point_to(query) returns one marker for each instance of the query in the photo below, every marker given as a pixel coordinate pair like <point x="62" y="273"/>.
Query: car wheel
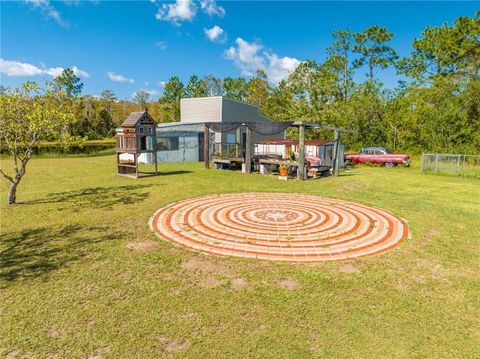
<point x="389" y="164"/>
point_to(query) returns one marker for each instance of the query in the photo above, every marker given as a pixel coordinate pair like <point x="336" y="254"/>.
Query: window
<point x="150" y="130"/>
<point x="141" y="130"/>
<point x="167" y="143"/>
<point x="231" y="138"/>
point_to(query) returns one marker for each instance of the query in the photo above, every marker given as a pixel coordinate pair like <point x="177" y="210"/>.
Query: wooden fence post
<point x="436" y="163"/>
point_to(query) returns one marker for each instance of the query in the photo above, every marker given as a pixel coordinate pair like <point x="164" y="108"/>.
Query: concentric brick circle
<point x="279" y="227"/>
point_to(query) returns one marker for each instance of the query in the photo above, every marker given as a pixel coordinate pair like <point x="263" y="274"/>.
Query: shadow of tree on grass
<point x="96" y="197"/>
<point x="37" y="252"/>
<point x="173" y="173"/>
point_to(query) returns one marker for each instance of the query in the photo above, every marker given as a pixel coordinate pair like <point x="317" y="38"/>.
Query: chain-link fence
<point x="449" y="164"/>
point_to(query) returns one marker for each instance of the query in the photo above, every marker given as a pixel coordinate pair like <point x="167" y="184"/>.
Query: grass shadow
<point x="96" y="197"/>
<point x="37" y="252"/>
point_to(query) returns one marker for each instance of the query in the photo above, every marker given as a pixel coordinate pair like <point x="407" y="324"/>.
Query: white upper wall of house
<point x="201" y="109"/>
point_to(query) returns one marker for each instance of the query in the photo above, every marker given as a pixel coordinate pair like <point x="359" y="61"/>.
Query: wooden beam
<point x="248" y="150"/>
<point x="206" y="147"/>
<point x="301" y="153"/>
<point x="156" y="162"/>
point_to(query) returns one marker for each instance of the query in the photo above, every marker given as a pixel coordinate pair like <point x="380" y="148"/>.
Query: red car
<point x="378" y="155"/>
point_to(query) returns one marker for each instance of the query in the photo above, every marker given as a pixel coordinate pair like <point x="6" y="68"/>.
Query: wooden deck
<point x="227" y="160"/>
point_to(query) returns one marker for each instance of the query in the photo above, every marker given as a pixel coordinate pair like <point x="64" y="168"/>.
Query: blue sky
<point x="126" y="46"/>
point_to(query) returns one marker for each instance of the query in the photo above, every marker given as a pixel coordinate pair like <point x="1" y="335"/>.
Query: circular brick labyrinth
<point x="279" y="227"/>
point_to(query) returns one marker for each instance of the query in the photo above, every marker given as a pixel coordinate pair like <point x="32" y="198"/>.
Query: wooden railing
<point x="126" y="142"/>
<point x="227" y="150"/>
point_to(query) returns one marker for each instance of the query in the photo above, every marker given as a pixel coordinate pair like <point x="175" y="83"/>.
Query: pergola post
<point x="301" y="153"/>
<point x="248" y="149"/>
<point x="336" y="153"/>
<point x="206" y="147"/>
<point x="238" y="140"/>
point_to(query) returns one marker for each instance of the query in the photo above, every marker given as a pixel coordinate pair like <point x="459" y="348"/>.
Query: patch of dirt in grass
<point x="474" y="333"/>
<point x="345" y="293"/>
<point x="17" y="354"/>
<point x="421" y="272"/>
<point x="348" y="268"/>
<point x="174" y="292"/>
<point x="99" y="354"/>
<point x="90" y="324"/>
<point x="239" y="284"/>
<point x="172" y="346"/>
<point x="209" y="282"/>
<point x="208" y="265"/>
<point x="144" y="246"/>
<point x="288" y="284"/>
<point x="54" y="333"/>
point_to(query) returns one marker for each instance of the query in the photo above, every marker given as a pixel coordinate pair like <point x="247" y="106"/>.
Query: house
<point x="183" y="141"/>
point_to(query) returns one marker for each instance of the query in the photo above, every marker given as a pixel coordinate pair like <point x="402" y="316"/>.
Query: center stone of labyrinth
<point x="279" y="227"/>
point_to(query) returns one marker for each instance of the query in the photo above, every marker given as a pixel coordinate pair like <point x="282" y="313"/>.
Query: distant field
<point x="83" y="275"/>
<point x="86" y="149"/>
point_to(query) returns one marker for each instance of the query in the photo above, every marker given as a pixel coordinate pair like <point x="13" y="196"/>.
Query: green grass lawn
<point x="83" y="275"/>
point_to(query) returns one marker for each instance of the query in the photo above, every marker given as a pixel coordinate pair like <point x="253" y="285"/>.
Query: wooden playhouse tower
<point x="136" y="136"/>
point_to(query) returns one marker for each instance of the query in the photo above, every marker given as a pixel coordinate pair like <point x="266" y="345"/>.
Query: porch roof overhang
<point x="305" y="124"/>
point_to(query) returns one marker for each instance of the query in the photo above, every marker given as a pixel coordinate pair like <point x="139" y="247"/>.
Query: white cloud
<point x="15" y="68"/>
<point x="181" y="10"/>
<point x="211" y="8"/>
<point x="48" y="10"/>
<point x="216" y="34"/>
<point x="245" y="56"/>
<point x="162" y="45"/>
<point x="161" y="84"/>
<point x="80" y="73"/>
<point x="23" y="69"/>
<point x="119" y="78"/>
<point x="280" y="67"/>
<point x="249" y="57"/>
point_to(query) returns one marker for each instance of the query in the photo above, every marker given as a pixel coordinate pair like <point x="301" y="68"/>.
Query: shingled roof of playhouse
<point x="134" y="117"/>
